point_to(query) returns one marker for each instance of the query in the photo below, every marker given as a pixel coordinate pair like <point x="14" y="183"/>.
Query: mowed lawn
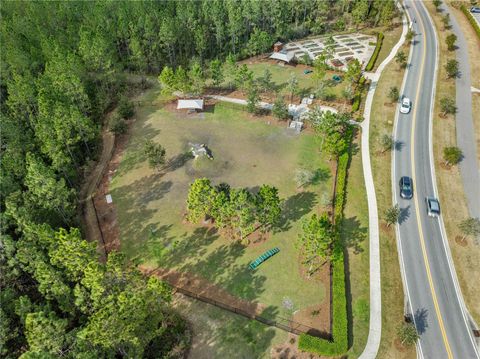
<point x="247" y="153"/>
<point x="281" y="75"/>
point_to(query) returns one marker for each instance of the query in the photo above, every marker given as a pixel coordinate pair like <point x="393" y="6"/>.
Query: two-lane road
<point x="434" y="297"/>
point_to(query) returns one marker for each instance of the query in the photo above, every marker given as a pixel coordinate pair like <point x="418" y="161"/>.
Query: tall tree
<point x="216" y="72"/>
<point x="268" y="207"/>
<point x="316" y="241"/>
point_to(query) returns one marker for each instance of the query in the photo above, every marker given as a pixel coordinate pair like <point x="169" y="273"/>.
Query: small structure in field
<point x="296" y="125"/>
<point x="278" y="46"/>
<point x="191" y="105"/>
<point x="283" y="55"/>
<point x="200" y="150"/>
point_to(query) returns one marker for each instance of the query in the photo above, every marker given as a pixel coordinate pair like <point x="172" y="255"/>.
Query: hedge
<point x="356" y="101"/>
<point x="371" y="63"/>
<point x="471" y="19"/>
<point x="339" y="343"/>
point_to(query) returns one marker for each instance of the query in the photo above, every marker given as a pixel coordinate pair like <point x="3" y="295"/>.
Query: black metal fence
<point x="281" y="323"/>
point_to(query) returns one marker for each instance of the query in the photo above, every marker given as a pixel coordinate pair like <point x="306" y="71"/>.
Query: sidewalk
<point x="466" y="141"/>
<point x="375" y="328"/>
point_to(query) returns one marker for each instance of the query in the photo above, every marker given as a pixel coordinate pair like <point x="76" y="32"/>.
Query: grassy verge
<point x="382" y="118"/>
<point x="391" y="37"/>
<point x="450" y="183"/>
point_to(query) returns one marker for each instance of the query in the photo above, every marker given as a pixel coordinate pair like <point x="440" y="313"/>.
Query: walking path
<point x="469" y="169"/>
<point x="263" y="105"/>
<point x="375" y="328"/>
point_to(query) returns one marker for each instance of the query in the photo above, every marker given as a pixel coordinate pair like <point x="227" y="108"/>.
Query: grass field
<point x="220" y="334"/>
<point x="248" y="153"/>
<point x="281" y="75"/>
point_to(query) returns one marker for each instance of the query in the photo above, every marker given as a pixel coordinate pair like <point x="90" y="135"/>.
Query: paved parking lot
<point x="347" y="47"/>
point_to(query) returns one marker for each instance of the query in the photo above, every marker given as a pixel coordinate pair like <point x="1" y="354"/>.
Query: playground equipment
<point x="263" y="257"/>
<point x="336" y="78"/>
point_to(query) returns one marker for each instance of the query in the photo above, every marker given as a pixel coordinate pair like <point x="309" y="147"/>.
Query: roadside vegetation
<point x="464" y="251"/>
<point x="381" y="143"/>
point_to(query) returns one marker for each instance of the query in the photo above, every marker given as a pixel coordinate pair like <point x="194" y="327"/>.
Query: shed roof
<point x="196" y="104"/>
<point x="282" y="56"/>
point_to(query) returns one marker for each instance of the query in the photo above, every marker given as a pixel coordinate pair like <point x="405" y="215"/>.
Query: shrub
<point x="452" y="155"/>
<point x="126" y="108"/>
<point x="471" y="19"/>
<point x="393" y="94"/>
<point x="450" y="41"/>
<point x="452" y="68"/>
<point x="448" y="106"/>
<point x="118" y="126"/>
<point x="407" y="333"/>
<point x="356" y="101"/>
<point x="373" y="59"/>
<point x="280" y="109"/>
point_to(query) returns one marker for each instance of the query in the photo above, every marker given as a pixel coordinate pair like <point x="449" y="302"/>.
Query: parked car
<point x="433" y="207"/>
<point x="406" y="105"/>
<point x="475" y="9"/>
<point x="406" y="187"/>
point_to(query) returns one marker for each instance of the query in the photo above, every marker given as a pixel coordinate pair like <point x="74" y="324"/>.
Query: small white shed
<point x="283" y="55"/>
<point x="191" y="105"/>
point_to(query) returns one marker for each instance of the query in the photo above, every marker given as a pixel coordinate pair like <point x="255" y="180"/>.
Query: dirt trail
<point x="89" y="217"/>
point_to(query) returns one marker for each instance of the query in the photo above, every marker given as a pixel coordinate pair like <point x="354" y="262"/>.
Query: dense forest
<point x="62" y="68"/>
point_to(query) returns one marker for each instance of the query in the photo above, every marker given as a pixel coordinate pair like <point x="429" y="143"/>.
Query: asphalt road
<point x="434" y="299"/>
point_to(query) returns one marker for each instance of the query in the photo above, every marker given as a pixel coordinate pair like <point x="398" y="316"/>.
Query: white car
<point x="406" y="105"/>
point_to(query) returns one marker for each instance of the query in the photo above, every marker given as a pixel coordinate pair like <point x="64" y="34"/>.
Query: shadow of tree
<point x="176" y="162"/>
<point x="420" y="318"/>
<point x="294" y="208"/>
<point x="353" y="234"/>
<point x="404" y="214"/>
<point x="321" y="175"/>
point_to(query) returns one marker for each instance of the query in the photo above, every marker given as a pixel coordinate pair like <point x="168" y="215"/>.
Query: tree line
<point x="238" y="211"/>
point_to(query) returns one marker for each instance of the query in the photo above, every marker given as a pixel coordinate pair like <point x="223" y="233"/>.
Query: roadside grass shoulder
<point x="382" y="118"/>
<point x="450" y="188"/>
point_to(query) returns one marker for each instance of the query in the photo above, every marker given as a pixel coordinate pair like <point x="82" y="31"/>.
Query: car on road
<point x="406" y="187"/>
<point x="433" y="207"/>
<point x="475" y="10"/>
<point x="405" y="105"/>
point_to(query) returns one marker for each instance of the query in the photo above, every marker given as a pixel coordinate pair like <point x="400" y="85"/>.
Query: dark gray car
<point x="406" y="187"/>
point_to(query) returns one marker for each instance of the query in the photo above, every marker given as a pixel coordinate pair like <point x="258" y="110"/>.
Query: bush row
<point x="471" y="19"/>
<point x="373" y="59"/>
<point x="356" y="100"/>
<point x="339" y="343"/>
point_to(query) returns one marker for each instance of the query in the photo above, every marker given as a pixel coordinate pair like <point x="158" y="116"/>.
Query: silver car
<point x="433" y="207"/>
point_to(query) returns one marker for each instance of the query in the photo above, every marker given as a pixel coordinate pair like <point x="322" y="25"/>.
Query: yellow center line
<point x="420" y="230"/>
